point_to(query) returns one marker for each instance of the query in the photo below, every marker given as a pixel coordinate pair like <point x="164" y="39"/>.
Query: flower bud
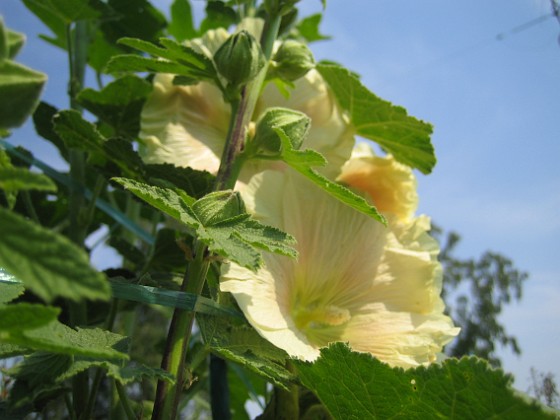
<point x="292" y="61"/>
<point x="218" y="206"/>
<point x="294" y="123"/>
<point x="239" y="59"/>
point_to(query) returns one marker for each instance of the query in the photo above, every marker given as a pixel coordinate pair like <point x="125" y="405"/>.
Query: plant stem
<point x="167" y="395"/>
<point x="124" y="401"/>
<point x="77" y="58"/>
<point x="219" y="389"/>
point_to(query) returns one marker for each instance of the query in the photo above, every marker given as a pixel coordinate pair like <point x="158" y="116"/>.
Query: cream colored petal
<point x="184" y="125"/>
<point x="264" y="299"/>
<point x="390" y="185"/>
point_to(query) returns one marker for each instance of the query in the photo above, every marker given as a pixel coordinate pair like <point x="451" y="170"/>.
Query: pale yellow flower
<point x="187" y="125"/>
<point x="355" y="281"/>
<point x="389" y="184"/>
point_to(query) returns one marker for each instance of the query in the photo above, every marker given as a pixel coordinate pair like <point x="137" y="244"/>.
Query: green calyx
<point x="239" y="59"/>
<point x="292" y="61"/>
<point x="294" y="124"/>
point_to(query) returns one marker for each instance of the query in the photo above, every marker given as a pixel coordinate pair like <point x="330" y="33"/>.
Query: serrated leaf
<point x="47" y="263"/>
<point x="303" y="162"/>
<point x="181" y="25"/>
<point x="135" y="63"/>
<point x="11" y="350"/>
<point x="226" y="238"/>
<point x="20" y="89"/>
<point x="125" y="374"/>
<point x="308" y="28"/>
<point x="194" y="183"/>
<point x="243" y="345"/>
<point x="356" y="385"/>
<point x="119" y="103"/>
<point x="78" y="133"/>
<point x="17" y="179"/>
<point x="405" y="137"/>
<point x="56" y="337"/>
<point x="179" y="59"/>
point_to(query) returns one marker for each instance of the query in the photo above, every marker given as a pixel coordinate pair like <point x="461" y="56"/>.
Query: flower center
<point x="316" y="316"/>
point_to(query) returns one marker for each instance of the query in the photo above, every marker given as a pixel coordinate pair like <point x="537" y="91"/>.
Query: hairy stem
<point x="167" y="395"/>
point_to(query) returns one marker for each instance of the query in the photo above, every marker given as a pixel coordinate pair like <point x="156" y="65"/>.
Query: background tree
<point x="475" y="292"/>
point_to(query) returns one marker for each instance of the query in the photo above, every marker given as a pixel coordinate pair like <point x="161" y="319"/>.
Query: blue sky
<point x="494" y="105"/>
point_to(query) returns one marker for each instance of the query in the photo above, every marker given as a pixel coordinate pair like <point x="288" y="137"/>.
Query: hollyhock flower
<point x="355" y="281"/>
<point x="390" y="184"/>
<point x="188" y="125"/>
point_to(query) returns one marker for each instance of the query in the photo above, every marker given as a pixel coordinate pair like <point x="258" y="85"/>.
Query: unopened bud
<point x="293" y="123"/>
<point x="292" y="61"/>
<point x="218" y="206"/>
<point x="239" y="59"/>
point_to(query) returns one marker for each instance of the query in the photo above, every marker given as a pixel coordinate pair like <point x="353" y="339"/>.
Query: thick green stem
<point x="77" y="58"/>
<point x="167" y="395"/>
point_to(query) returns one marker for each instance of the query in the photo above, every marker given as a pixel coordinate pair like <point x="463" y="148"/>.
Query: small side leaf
<point x="303" y="161"/>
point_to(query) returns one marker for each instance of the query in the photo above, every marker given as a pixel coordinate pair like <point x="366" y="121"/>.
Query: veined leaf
<point x="303" y="161"/>
<point x="78" y="133"/>
<point x="47" y="263"/>
<point x="233" y="237"/>
<point x="67" y="10"/>
<point x="405" y="137"/>
<point x="25" y="316"/>
<point x="177" y="59"/>
<point x="10" y="287"/>
<point x="308" y="28"/>
<point x="356" y="385"/>
<point x="119" y="103"/>
<point x="243" y="345"/>
<point x="56" y="337"/>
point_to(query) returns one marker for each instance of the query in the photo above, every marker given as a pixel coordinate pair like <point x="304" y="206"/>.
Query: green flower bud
<point x="218" y="206"/>
<point x="294" y="123"/>
<point x="239" y="59"/>
<point x="292" y="61"/>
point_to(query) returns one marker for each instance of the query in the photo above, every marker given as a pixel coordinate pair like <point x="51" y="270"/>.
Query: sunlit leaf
<point x="405" y="137"/>
<point x="47" y="263"/>
<point x="356" y="385"/>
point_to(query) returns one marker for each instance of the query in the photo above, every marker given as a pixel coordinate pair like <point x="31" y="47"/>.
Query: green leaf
<point x="136" y="19"/>
<point x="4" y="47"/>
<point x="66" y="10"/>
<point x="118" y="104"/>
<point x="218" y="15"/>
<point x="78" y="133"/>
<point x="179" y="59"/>
<point x="51" y="19"/>
<point x="194" y="183"/>
<point x="181" y="26"/>
<point x="10" y="287"/>
<point x="405" y="137"/>
<point x="20" y="89"/>
<point x="131" y="372"/>
<point x="232" y="237"/>
<point x="303" y="161"/>
<point x="135" y="63"/>
<point x="11" y="350"/>
<point x="243" y="345"/>
<point x="17" y="179"/>
<point x="308" y="28"/>
<point x="356" y="385"/>
<point x="43" y="122"/>
<point x="25" y="316"/>
<point x="47" y="263"/>
<point x="56" y="337"/>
